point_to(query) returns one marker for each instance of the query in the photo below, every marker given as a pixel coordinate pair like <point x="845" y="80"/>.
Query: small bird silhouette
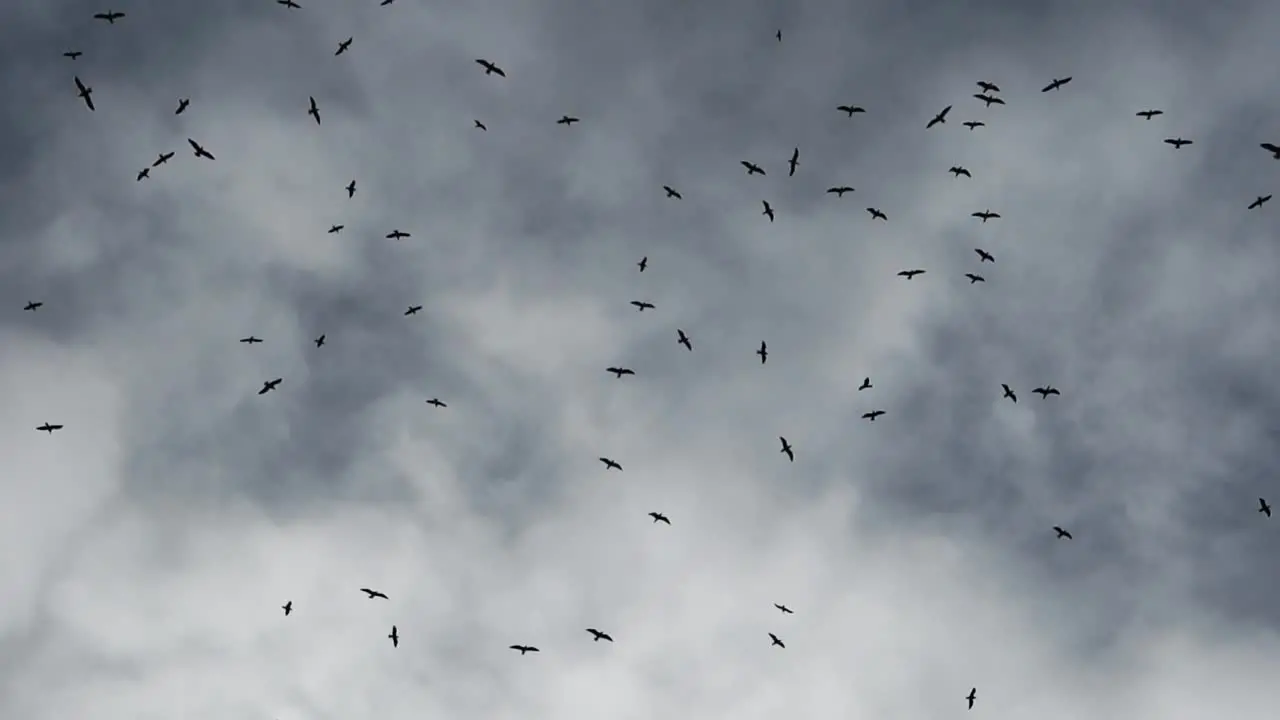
<point x="659" y="517"/>
<point x="785" y="610"/>
<point x="1062" y="534"/>
<point x="866" y="384"/>
<point x="598" y="635"/>
<point x="287" y="607"/>
<point x="776" y="641"/>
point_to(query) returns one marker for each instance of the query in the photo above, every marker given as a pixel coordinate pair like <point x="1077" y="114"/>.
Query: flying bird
<point x="314" y="111"/>
<point x="1046" y="391"/>
<point x="161" y="159"/>
<point x="251" y="340"/>
<point x="763" y="352"/>
<point x="973" y="694"/>
<point x="776" y="641"/>
<point x="610" y="464"/>
<point x="850" y="109"/>
<point x="1177" y="143"/>
<point x="373" y="594"/>
<point x="786" y="449"/>
<point x="287" y="607"/>
<point x="143" y="173"/>
<point x="435" y="402"/>
<point x="1271" y="148"/>
<point x="877" y="214"/>
<point x="683" y="340"/>
<point x="659" y="517"/>
<point x="490" y="68"/>
<point x="958" y="170"/>
<point x="73" y="54"/>
<point x="598" y="636"/>
<point x="988" y="87"/>
<point x="989" y="100"/>
<point x="84" y="92"/>
<point x="767" y="210"/>
<point x="1258" y="203"/>
<point x="939" y="118"/>
<point x="525" y="649"/>
<point x="839" y="191"/>
<point x="785" y="610"/>
<point x="752" y="168"/>
<point x="480" y="126"/>
<point x="110" y="16"/>
<point x="1263" y="507"/>
<point x="866" y="384"/>
<point x="984" y="256"/>
<point x="395" y="637"/>
<point x="778" y="35"/>
<point x="320" y="341"/>
<point x="1148" y="114"/>
<point x="644" y="263"/>
<point x="49" y="428"/>
<point x="1009" y="393"/>
<point x="672" y="193"/>
<point x="33" y="306"/>
<point x="872" y="415"/>
<point x="397" y="234"/>
<point x="199" y="150"/>
<point x="567" y="120"/>
<point x="413" y="310"/>
<point x="642" y="306"/>
<point x="1062" y="534"/>
<point x="1057" y="83"/>
<point x="794" y="162"/>
<point x="620" y="371"/>
<point x="269" y="385"/>
<point x="973" y="124"/>
<point x="344" y="46"/>
<point x="910" y="274"/>
<point x="985" y="215"/>
<point x="289" y="4"/>
<point x="334" y="229"/>
<point x="974" y="278"/>
<point x="182" y="105"/>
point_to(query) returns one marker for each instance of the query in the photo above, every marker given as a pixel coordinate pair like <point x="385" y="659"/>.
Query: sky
<point x="148" y="546"/>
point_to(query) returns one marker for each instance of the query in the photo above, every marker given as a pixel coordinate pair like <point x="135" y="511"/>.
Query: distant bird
<point x="659" y="517"/>
<point x="183" y="103"/>
<point x="786" y="449"/>
<point x="958" y="170"/>
<point x="395" y="637"/>
<point x="866" y="384"/>
<point x="974" y="278"/>
<point x="398" y="234"/>
<point x="672" y="193"/>
<point x="162" y="158"/>
<point x="143" y="173"/>
<point x="839" y="191"/>
<point x="1271" y="148"/>
<point x="610" y="464"/>
<point x="385" y="3"/>
<point x="785" y="610"/>
<point x="872" y="415"/>
<point x="794" y="162"/>
<point x="344" y="46"/>
<point x="598" y="636"/>
<point x="752" y="168"/>
<point x="73" y="54"/>
<point x="110" y="16"/>
<point x="644" y="263"/>
<point x="778" y="35"/>
<point x="334" y="229"/>
<point x="33" y="306"/>
<point x="984" y="256"/>
<point x="909" y="274"/>
<point x="763" y="352"/>
<point x="1263" y="507"/>
<point x="642" y="306"/>
<point x="351" y="189"/>
<point x="1148" y="114"/>
<point x="373" y="593"/>
<point x="985" y="215"/>
<point x="1062" y="534"/>
<point x="973" y="694"/>
<point x="289" y="4"/>
<point x="251" y="340"/>
<point x="314" y="111"/>
<point x="567" y="120"/>
<point x="490" y="68"/>
<point x="320" y="341"/>
<point x="989" y="100"/>
<point x="1177" y="143"/>
<point x="776" y="641"/>
<point x="49" y="428"/>
<point x="525" y="648"/>
<point x="84" y="92"/>
<point x="1009" y="393"/>
<point x="199" y="150"/>
<point x="1046" y="391"/>
<point x="683" y="340"/>
<point x="480" y="126"/>
<point x="988" y="87"/>
<point x="413" y="310"/>
<point x="269" y="385"/>
<point x="1056" y="84"/>
<point x="939" y="118"/>
<point x="850" y="109"/>
<point x="287" y="607"/>
<point x="435" y="402"/>
<point x="767" y="210"/>
<point x="877" y="214"/>
<point x="973" y="124"/>
<point x="1258" y="203"/>
<point x="618" y="372"/>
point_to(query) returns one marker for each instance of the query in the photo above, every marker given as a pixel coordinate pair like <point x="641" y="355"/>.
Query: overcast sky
<point x="146" y="549"/>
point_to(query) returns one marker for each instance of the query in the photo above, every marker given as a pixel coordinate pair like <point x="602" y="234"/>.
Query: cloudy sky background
<point x="148" y="547"/>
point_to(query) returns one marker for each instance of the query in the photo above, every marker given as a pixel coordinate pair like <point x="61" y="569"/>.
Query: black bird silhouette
<point x="1148" y="114"/>
<point x="251" y="340"/>
<point x="763" y="352"/>
<point x="289" y="4"/>
<point x="269" y="385"/>
<point x="398" y="234"/>
<point x="567" y="120"/>
<point x="973" y="124"/>
<point x="1062" y="534"/>
<point x="525" y="649"/>
<point x="1046" y="391"/>
<point x="1258" y="203"/>
<point x="840" y="191"/>
<point x="413" y="310"/>
<point x="752" y="168"/>
<point x="1009" y="393"/>
<point x="988" y="87"/>
<point x="373" y="593"/>
<point x="610" y="464"/>
<point x="344" y="45"/>
<point x="939" y="118"/>
<point x="786" y="449"/>
<point x="909" y="274"/>
<point x="767" y="210"/>
<point x="1177" y="143"/>
<point x="314" y="111"/>
<point x="490" y="68"/>
<point x="877" y="214"/>
<point x="73" y="54"/>
<point x="598" y="636"/>
<point x="974" y="278"/>
<point x="182" y="105"/>
<point x="320" y="341"/>
<point x="110" y="16"/>
<point x="618" y="372"/>
<point x="385" y="3"/>
<point x="161" y="159"/>
<point x="985" y="215"/>
<point x="287" y="607"/>
<point x="785" y="610"/>
<point x="659" y="517"/>
<point x="435" y="402"/>
<point x="778" y="35"/>
<point x="850" y="109"/>
<point x="958" y="170"/>
<point x="866" y="384"/>
<point x="776" y="641"/>
<point x="672" y="193"/>
<point x="199" y="150"/>
<point x="642" y="306"/>
<point x="143" y="173"/>
<point x="84" y="92"/>
<point x="794" y="162"/>
<point x="1271" y="148"/>
<point x="395" y="637"/>
<point x="644" y="263"/>
<point x="334" y="229"/>
<point x="984" y="256"/>
<point x="872" y="415"/>
<point x="480" y="125"/>
<point x="989" y="100"/>
<point x="49" y="428"/>
<point x="1057" y="83"/>
<point x="683" y="340"/>
<point x="973" y="694"/>
<point x="33" y="306"/>
<point x="1263" y="507"/>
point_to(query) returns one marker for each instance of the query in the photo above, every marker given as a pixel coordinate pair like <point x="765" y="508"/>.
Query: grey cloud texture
<point x="149" y="544"/>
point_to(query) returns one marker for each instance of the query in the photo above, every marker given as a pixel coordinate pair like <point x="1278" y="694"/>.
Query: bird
<point x="334" y="229"/>
<point x="958" y="170"/>
<point x="641" y="306"/>
<point x="776" y="641"/>
<point x="351" y="189"/>
<point x="314" y="111"/>
<point x="763" y="352"/>
<point x="974" y="278"/>
<point x="320" y="341"/>
<point x="866" y="384"/>
<point x="33" y="306"/>
<point x="49" y="428"/>
<point x="161" y="159"/>
<point x="269" y="385"/>
<point x="989" y="100"/>
<point x="251" y="340"/>
<point x="659" y="517"/>
<point x="110" y="16"/>
<point x="672" y="193"/>
<point x="1062" y="534"/>
<point x="289" y="4"/>
<point x="610" y="464"/>
<point x="850" y="109"/>
<point x="199" y="150"/>
<point x="182" y="105"/>
<point x="1046" y="391"/>
<point x="876" y="213"/>
<point x="287" y="607"/>
<point x="973" y="695"/>
<point x="1148" y="114"/>
<point x="525" y="649"/>
<point x="435" y="402"/>
<point x="909" y="274"/>
<point x="786" y="449"/>
<point x="84" y="92"/>
<point x="373" y="594"/>
<point x="794" y="162"/>
<point x="385" y="3"/>
<point x="644" y="263"/>
<point x="598" y="636"/>
<point x="480" y="126"/>
<point x="1009" y="393"/>
<point x="683" y="340"/>
<point x="984" y="256"/>
<point x="839" y="191"/>
<point x="985" y="215"/>
<point x="567" y="120"/>
<point x="1258" y="203"/>
<point x="778" y="35"/>
<point x="872" y="415"/>
<point x="344" y="46"/>
<point x="767" y="210"/>
<point x="143" y="173"/>
<point x="490" y="68"/>
<point x="785" y="610"/>
<point x="988" y="87"/>
<point x="413" y="310"/>
<point x="395" y="637"/>
<point x="620" y="371"/>
<point x="1263" y="507"/>
<point x="398" y="234"/>
<point x="73" y="54"/>
<point x="939" y="118"/>
<point x="752" y="168"/>
<point x="1056" y="84"/>
<point x="1177" y="143"/>
<point x="973" y="125"/>
<point x="1271" y="148"/>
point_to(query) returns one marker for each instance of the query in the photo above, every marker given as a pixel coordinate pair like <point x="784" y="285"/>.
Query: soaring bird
<point x="373" y="594"/>
<point x="398" y="235"/>
<point x="1057" y="83"/>
<point x="985" y="215"/>
<point x="567" y="120"/>
<point x="1271" y="148"/>
<point x="1148" y="114"/>
<point x="480" y="126"/>
<point x="351" y="189"/>
<point x="183" y="103"/>
<point x="988" y="87"/>
<point x="973" y="694"/>
<point x="395" y="637"/>
<point x="620" y="371"/>
<point x="877" y="214"/>
<point x="909" y="274"/>
<point x="763" y="352"/>
<point x="287" y="607"/>
<point x="1062" y="534"/>
<point x="413" y="310"/>
<point x="776" y="641"/>
<point x="659" y="517"/>
<point x="1177" y="143"/>
<point x="73" y="54"/>
<point x="939" y="118"/>
<point x="644" y="263"/>
<point x="598" y="635"/>
<point x="84" y="92"/>
<point x="49" y="428"/>
<point x="1258" y="203"/>
<point x="974" y="278"/>
<point x="642" y="306"/>
<point x="251" y="340"/>
<point x="199" y="150"/>
<point x="752" y="168"/>
<point x="778" y="35"/>
<point x="989" y="100"/>
<point x="672" y="193"/>
<point x="683" y="340"/>
<point x="525" y="648"/>
<point x="320" y="341"/>
<point x="334" y="229"/>
<point x="143" y="173"/>
<point x="435" y="402"/>
<point x="850" y="109"/>
<point x="1046" y="391"/>
<point x="33" y="306"/>
<point x="768" y="210"/>
<point x="984" y="256"/>
<point x="839" y="191"/>
<point x="786" y="449"/>
<point x="872" y="415"/>
<point x="794" y="162"/>
<point x="958" y="170"/>
<point x="866" y="384"/>
<point x="289" y="4"/>
<point x="1009" y="393"/>
<point x="785" y="610"/>
<point x="314" y="111"/>
<point x="344" y="45"/>
<point x="611" y="464"/>
<point x="111" y="16"/>
<point x="162" y="158"/>
<point x="270" y="385"/>
<point x="973" y="124"/>
<point x="1263" y="507"/>
<point x="490" y="68"/>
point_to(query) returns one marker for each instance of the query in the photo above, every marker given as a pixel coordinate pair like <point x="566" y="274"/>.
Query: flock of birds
<point x="988" y="95"/>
